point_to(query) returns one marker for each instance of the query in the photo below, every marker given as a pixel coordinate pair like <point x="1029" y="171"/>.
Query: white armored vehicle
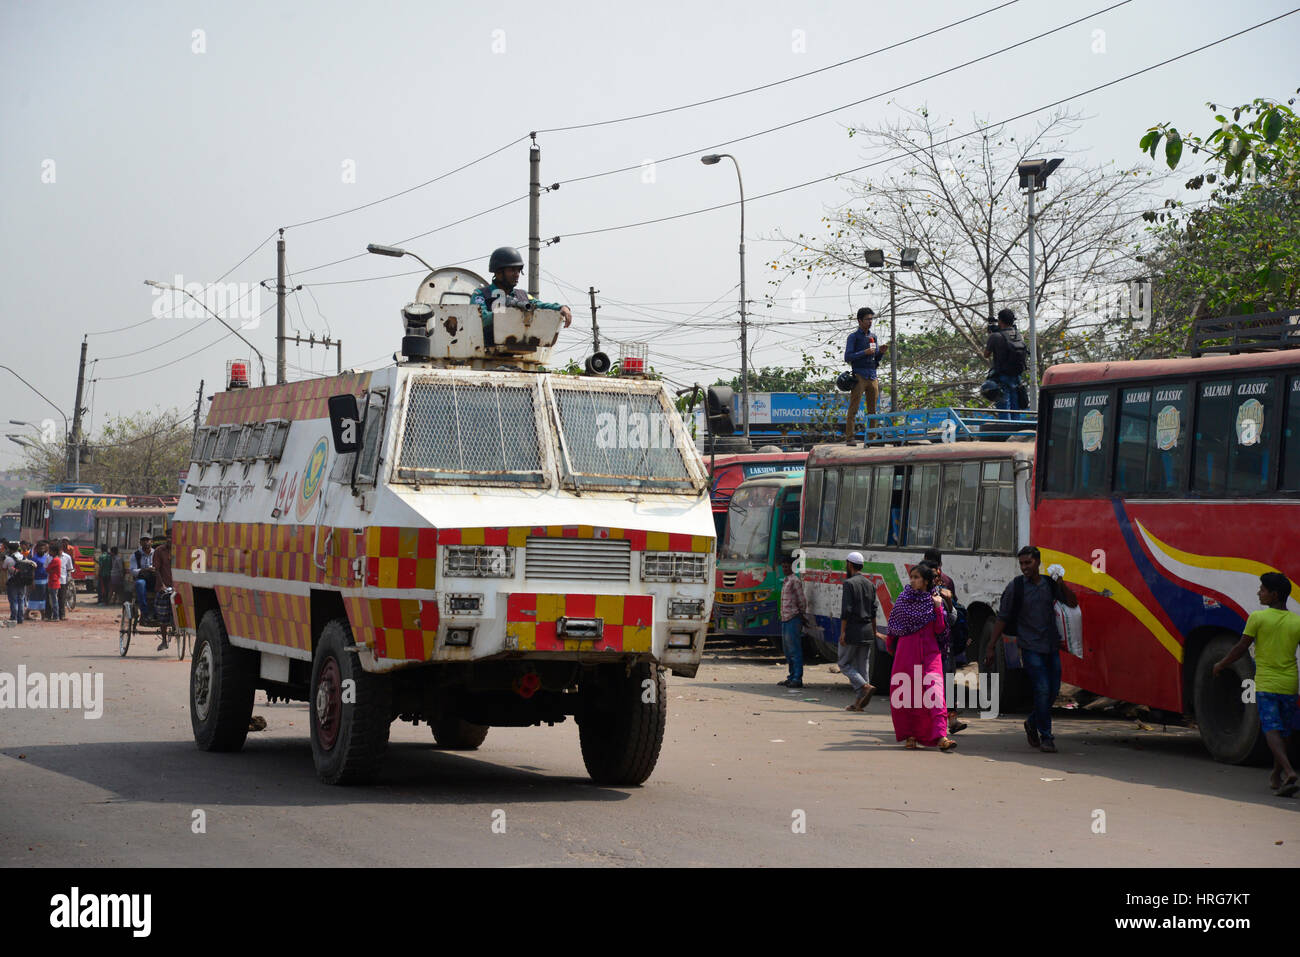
<point x="461" y="539"/>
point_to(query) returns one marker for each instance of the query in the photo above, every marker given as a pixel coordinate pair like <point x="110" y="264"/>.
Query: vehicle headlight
<point x="479" y="561"/>
<point x="674" y="566"/>
<point x="686" y="608"/>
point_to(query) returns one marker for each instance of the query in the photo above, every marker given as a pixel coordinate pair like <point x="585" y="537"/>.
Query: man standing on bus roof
<point x="506" y="266"/>
<point x="1010" y="356"/>
<point x="857" y="630"/>
<point x="1276" y="634"/>
<point x="863" y="353"/>
<point x="1028" y="612"/>
<point x="794" y="609"/>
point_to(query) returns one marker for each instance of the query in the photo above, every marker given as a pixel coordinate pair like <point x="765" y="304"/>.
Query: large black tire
<point x="222" y="683"/>
<point x="620" y="731"/>
<point x="1229" y="726"/>
<point x="348" y="737"/>
<point x="457" y="734"/>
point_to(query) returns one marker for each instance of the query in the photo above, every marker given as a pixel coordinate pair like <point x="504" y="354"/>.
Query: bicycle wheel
<point x="179" y="637"/>
<point x="72" y="598"/>
<point x="124" y="630"/>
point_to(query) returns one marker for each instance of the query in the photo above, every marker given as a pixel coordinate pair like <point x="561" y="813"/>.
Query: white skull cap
<point x="854" y="558"/>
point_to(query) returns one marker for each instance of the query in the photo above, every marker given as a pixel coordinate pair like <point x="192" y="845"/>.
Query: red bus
<point x="1165" y="488"/>
<point x="728" y="471"/>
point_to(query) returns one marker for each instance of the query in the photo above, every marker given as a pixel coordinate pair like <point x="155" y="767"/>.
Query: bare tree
<point x="139" y="454"/>
<point x="957" y="199"/>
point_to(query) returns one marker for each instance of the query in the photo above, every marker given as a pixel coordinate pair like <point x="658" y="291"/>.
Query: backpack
<point x="24" y="572"/>
<point x="1017" y="355"/>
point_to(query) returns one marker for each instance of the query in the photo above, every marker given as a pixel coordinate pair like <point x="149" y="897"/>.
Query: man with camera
<point x="1010" y="357"/>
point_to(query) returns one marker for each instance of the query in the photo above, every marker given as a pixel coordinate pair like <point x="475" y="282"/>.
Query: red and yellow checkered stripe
<point x="531" y="618"/>
<point x="295" y="402"/>
<point x="272" y="617"/>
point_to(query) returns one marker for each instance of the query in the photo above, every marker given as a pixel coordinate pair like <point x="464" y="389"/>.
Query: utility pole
<point x="72" y="472"/>
<point x="311" y="341"/>
<point x="595" y="329"/>
<point x="534" y="216"/>
<point x="279" y="311"/>
<point x="1033" y="295"/>
<point x="893" y="347"/>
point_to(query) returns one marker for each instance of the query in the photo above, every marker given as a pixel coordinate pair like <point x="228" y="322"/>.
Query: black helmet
<point x="503" y="257"/>
<point x="991" y="390"/>
<point x="844" y="381"/>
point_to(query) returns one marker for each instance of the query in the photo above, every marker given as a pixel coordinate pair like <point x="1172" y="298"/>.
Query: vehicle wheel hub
<point x="329" y="704"/>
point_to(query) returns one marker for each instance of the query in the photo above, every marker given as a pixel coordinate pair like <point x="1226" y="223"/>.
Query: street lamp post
<point x="1033" y="177"/>
<point x="744" y="329"/>
<point x="75" y="469"/>
<point x="907" y="260"/>
<point x="166" y="285"/>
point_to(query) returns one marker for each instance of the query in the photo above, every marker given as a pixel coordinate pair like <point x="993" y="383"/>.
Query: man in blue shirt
<point x="863" y="354"/>
<point x="506" y="266"/>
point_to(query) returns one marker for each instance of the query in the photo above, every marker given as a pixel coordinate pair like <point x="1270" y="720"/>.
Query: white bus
<point x="969" y="499"/>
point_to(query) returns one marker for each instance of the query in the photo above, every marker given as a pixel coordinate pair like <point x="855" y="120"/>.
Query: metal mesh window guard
<point x="620" y="437"/>
<point x="456" y="429"/>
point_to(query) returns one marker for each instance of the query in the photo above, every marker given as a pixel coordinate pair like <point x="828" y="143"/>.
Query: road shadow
<point x="279" y="772"/>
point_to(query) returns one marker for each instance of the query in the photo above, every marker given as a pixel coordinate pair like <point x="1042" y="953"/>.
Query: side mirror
<point x="345" y="423"/>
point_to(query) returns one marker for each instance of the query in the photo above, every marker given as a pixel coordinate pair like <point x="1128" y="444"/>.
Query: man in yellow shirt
<point x="1276" y="633"/>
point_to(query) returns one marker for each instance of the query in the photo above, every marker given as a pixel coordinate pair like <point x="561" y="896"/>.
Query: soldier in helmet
<point x="506" y="265"/>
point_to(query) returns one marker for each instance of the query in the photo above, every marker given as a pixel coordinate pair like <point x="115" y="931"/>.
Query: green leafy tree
<point x="138" y="454"/>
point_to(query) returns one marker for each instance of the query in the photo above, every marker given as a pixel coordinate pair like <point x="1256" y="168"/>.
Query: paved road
<point x="743" y="763"/>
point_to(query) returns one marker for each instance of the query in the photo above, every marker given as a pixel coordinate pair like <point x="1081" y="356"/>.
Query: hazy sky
<point x="152" y="140"/>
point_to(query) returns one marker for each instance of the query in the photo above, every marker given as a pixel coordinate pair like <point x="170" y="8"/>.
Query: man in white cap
<point x="857" y="630"/>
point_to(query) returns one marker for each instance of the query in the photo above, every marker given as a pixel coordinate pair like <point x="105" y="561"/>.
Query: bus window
<point x="812" y="503"/>
<point x="830" y="498"/>
<point x="967" y="503"/>
<point x="1131" y="439"/>
<point x="950" y="488"/>
<point x="846" y="522"/>
<point x="749" y="526"/>
<point x="862" y="512"/>
<point x="1213" y="426"/>
<point x="882" y="493"/>
<point x="1092" y="441"/>
<point x="997" y="510"/>
<point x="923" y="506"/>
<point x="1167" y="439"/>
<point x="1252" y="436"/>
<point x="1059" y="473"/>
<point x="1291" y="437"/>
<point x="790" y="521"/>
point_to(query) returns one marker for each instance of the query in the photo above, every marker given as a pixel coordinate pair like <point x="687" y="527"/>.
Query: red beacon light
<point x="236" y="374"/>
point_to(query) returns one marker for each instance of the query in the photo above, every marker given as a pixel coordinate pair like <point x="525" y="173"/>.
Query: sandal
<point x="947" y="744"/>
<point x="1289" y="787"/>
<point x="910" y="744"/>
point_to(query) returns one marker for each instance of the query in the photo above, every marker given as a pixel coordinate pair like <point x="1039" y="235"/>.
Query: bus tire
<point x="1229" y="727"/>
<point x="349" y="722"/>
<point x="222" y="684"/>
<point x="827" y="650"/>
<point x="456" y="734"/>
<point x="621" y="727"/>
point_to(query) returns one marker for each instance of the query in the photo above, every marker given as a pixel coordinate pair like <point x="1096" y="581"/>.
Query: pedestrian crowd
<point x="38" y="578"/>
<point x="927" y="637"/>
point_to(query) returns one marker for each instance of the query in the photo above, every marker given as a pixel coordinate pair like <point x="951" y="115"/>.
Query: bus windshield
<point x="749" y="525"/>
<point x="75" y="524"/>
<point x="9" y="528"/>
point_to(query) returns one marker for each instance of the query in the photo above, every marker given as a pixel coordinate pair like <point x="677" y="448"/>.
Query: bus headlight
<point x="674" y="566"/>
<point x="479" y="561"/>
<point x="686" y="608"/>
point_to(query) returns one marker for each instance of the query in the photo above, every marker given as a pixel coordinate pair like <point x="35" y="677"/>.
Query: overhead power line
<point x="789" y="79"/>
<point x="951" y="139"/>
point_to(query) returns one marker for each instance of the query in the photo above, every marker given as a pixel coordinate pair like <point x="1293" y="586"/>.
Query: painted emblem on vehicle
<point x="1094" y="424"/>
<point x="312" y="476"/>
<point x="1250" y="422"/>
<point x="1167" y="428"/>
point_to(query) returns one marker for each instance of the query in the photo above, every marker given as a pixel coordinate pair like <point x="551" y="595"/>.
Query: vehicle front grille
<point x="728" y="579"/>
<point x="585" y="559"/>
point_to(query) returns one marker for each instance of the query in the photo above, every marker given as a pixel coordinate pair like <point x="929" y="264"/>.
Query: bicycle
<point x="132" y="622"/>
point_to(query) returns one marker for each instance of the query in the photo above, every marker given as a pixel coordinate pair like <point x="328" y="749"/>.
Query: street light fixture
<point x="67" y="429"/>
<point x="395" y="252"/>
<point x="710" y="160"/>
<point x="257" y="351"/>
<point x="1033" y="177"/>
<point x="907" y="260"/>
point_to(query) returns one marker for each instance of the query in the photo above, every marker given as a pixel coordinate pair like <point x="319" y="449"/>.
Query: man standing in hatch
<point x="506" y="265"/>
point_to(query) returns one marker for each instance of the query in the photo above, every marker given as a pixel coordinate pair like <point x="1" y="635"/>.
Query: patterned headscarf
<point x="912" y="611"/>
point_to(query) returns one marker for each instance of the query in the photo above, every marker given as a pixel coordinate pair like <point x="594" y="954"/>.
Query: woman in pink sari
<point x="916" y="692"/>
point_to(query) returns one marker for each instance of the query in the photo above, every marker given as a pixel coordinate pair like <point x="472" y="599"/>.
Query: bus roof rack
<point x="948" y="424"/>
<point x="1261" y="332"/>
